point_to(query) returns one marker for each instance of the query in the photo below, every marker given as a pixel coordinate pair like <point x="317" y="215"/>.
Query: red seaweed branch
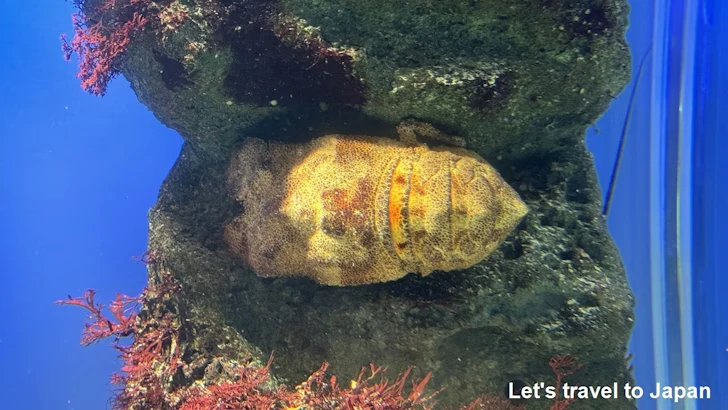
<point x="364" y="393"/>
<point x="562" y="366"/>
<point x="148" y="364"/>
<point x="99" y="326"/>
<point x="103" y="32"/>
<point x="99" y="44"/>
<point x="157" y="371"/>
<point x="317" y="392"/>
<point x="152" y="359"/>
<point x="245" y="392"/>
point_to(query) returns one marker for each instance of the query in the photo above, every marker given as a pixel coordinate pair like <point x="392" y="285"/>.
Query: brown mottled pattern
<point x="350" y="210"/>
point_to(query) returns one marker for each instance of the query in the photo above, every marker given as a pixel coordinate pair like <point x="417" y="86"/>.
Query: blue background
<point x="78" y="174"/>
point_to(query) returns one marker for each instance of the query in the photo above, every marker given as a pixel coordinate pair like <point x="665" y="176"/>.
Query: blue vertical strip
<point x="657" y="184"/>
<point x="710" y="186"/>
<point x="671" y="303"/>
<point x="672" y="220"/>
<point x="684" y="200"/>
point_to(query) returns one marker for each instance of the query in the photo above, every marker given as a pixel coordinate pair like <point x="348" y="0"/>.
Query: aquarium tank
<point x="335" y="204"/>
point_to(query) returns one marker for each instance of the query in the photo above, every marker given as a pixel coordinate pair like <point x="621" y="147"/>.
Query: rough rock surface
<point x="519" y="80"/>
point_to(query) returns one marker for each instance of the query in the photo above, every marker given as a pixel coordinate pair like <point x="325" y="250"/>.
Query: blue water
<point x="711" y="195"/>
<point x="78" y="174"/>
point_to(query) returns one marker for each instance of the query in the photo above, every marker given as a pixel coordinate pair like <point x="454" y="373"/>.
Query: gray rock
<point x="555" y="287"/>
